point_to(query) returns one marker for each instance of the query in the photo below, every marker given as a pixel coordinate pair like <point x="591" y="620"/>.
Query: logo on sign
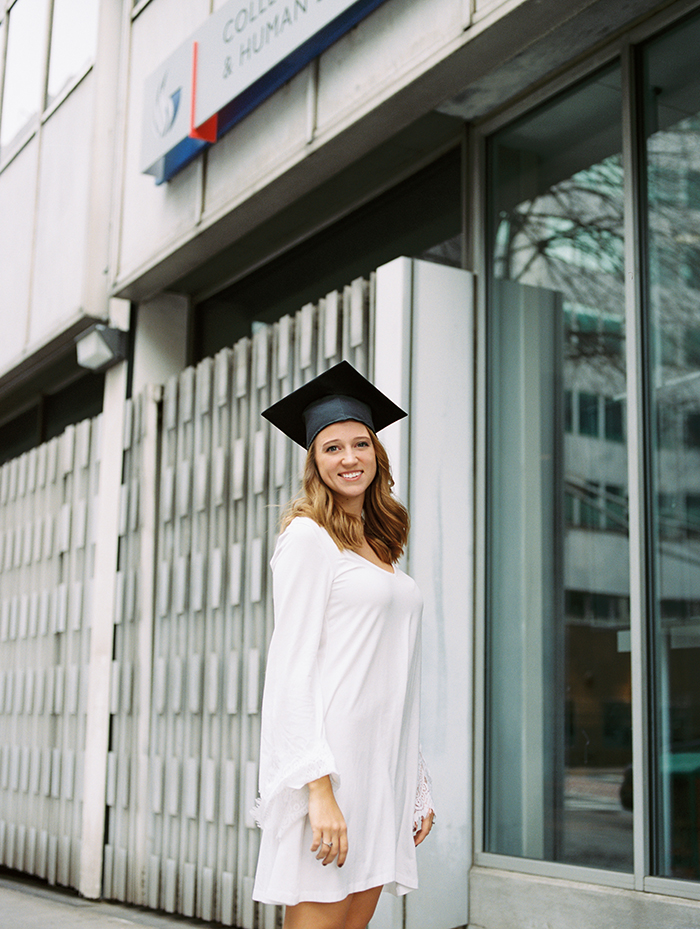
<point x="166" y="107"/>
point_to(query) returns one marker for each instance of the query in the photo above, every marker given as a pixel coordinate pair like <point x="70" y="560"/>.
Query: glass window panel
<point x="558" y="735"/>
<point x="588" y="413"/>
<point x="673" y="146"/>
<point x="73" y="42"/>
<point x="24" y="67"/>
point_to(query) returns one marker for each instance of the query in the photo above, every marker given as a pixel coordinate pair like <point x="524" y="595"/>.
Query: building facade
<point x="492" y="207"/>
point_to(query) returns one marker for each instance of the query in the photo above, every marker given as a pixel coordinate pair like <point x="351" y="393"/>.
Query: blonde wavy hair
<point x="385" y="521"/>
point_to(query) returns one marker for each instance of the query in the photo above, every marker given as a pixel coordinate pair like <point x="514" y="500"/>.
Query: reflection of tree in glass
<point x="570" y="239"/>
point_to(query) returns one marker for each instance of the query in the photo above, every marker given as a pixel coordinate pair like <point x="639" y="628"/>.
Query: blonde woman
<point x="344" y="793"/>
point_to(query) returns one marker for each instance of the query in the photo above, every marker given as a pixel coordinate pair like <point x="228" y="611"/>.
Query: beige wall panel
<point x="154" y="216"/>
<point x="272" y="136"/>
<point x="367" y="63"/>
<point x="17" y="186"/>
<point x="61" y="230"/>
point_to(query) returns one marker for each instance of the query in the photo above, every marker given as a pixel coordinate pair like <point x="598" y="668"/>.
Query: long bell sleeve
<point x="294" y="749"/>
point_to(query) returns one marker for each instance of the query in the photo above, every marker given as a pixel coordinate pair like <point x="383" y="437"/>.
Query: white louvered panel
<point x="206" y="895"/>
<point x="14" y="618"/>
<point x="61" y="608"/>
<point x="80" y="523"/>
<point x="175" y="676"/>
<point x="172" y="786"/>
<point x="357" y="313"/>
<point x="181" y="585"/>
<point x="209" y="775"/>
<point x="236" y="573"/>
<point x="253" y="681"/>
<point x="59" y="679"/>
<point x="330" y="325"/>
<point x="259" y="462"/>
<point x="201" y="482"/>
<point x="76" y="606"/>
<point x="256" y="570"/>
<point x="28" y="543"/>
<point x="18" y="705"/>
<point x="159" y="685"/>
<point x="229" y="793"/>
<point x="170" y="890"/>
<point x="215" y="578"/>
<point x="184" y="488"/>
<point x="30" y="684"/>
<point x="24" y="763"/>
<point x="46" y="761"/>
<point x="219" y="479"/>
<point x="212" y="683"/>
<point x="188" y="886"/>
<point x="134" y="505"/>
<point x="64" y="528"/>
<point x="307" y="316"/>
<point x="23" y="625"/>
<point x="164" y="588"/>
<point x="111" y="789"/>
<point x="45" y="608"/>
<point x="55" y="790"/>
<point x="156" y="784"/>
<point x="197" y="582"/>
<point x="222" y="376"/>
<point x="187" y="380"/>
<point x="167" y="494"/>
<point x="34" y="600"/>
<point x="194" y="684"/>
<point x="232" y="683"/>
<point x="238" y="477"/>
<point x="227" y="915"/>
<point x="153" y="890"/>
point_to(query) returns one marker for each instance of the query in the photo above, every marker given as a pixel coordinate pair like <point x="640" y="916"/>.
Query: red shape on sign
<point x="207" y="132"/>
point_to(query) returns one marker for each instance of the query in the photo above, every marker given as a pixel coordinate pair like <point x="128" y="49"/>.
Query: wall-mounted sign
<point x="237" y="58"/>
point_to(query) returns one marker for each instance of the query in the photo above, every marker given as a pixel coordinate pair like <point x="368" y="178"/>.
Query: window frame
<point x="45" y="110"/>
<point x="626" y="49"/>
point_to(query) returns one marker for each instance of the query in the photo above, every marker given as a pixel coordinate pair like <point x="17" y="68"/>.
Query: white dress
<point x="342" y="692"/>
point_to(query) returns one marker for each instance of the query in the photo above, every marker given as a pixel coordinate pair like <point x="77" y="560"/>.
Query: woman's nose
<point x="349" y="455"/>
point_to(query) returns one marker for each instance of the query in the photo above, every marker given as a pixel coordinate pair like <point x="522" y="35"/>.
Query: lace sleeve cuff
<point x="424" y="794"/>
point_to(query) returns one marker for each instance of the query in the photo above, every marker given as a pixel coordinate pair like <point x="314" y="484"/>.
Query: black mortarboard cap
<point x="337" y="395"/>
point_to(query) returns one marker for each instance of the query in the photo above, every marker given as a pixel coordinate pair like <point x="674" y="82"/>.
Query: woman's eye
<point x="363" y="444"/>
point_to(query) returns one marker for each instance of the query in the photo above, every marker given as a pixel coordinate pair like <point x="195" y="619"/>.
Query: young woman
<point x="344" y="794"/>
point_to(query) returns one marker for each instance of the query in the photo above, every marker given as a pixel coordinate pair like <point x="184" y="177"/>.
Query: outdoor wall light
<point x="100" y="346"/>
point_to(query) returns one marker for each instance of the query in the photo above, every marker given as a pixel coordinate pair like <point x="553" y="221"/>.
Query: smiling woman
<point x="344" y="794"/>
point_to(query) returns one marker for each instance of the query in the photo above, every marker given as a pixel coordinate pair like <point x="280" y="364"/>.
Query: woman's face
<point x="346" y="462"/>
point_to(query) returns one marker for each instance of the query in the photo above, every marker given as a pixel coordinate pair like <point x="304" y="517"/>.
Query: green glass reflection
<point x="558" y="734"/>
<point x="672" y="87"/>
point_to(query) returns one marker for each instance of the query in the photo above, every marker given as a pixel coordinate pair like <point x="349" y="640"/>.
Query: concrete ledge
<point x="510" y="900"/>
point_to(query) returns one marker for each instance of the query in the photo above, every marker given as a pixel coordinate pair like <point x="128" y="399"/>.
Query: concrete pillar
<point x="102" y="621"/>
<point x="160" y="348"/>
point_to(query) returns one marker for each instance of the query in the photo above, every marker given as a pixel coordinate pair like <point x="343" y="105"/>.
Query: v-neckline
<point x="391" y="572"/>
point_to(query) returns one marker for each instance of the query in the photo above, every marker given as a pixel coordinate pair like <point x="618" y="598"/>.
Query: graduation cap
<point x="337" y="395"/>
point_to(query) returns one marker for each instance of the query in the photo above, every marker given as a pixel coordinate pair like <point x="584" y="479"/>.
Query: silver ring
<point x="329" y="844"/>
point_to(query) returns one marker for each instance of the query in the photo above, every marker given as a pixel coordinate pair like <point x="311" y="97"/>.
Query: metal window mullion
<point x="637" y="412"/>
<point x="476" y="257"/>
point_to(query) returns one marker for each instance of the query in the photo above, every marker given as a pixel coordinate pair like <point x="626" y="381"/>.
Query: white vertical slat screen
<point x="204" y="481"/>
<point x="47" y="497"/>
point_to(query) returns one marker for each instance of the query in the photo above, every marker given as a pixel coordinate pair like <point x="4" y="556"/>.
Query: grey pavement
<point x="29" y="904"/>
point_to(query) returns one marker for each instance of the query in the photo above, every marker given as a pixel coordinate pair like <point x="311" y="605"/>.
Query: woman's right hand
<point x="330" y="834"/>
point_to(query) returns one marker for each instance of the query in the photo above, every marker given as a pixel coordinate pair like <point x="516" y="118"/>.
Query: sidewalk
<point x="29" y="904"/>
